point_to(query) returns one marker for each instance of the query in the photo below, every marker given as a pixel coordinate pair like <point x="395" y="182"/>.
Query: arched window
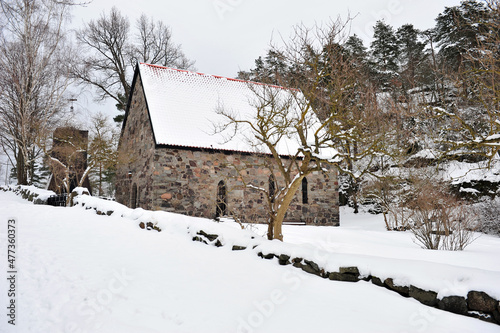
<point x="305" y="198"/>
<point x="272" y="187"/>
<point x="133" y="197"/>
<point x="221" y="208"/>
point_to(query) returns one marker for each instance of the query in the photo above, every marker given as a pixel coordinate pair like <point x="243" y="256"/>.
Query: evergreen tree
<point x="357" y="51"/>
<point x="411" y="56"/>
<point x="41" y="174"/>
<point x="384" y="53"/>
<point x="459" y="30"/>
<point x="271" y="70"/>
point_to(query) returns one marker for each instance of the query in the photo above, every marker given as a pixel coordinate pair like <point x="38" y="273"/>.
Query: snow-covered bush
<point x="423" y="204"/>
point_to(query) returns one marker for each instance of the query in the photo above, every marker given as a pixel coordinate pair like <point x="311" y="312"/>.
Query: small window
<point x="272" y="187"/>
<point x="133" y="197"/>
<point x="221" y="206"/>
<point x="305" y="198"/>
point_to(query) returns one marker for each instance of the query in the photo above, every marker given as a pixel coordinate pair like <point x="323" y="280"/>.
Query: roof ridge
<point x="219" y="77"/>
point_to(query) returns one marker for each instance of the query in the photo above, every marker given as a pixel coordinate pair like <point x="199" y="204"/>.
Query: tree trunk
<point x="21" y="170"/>
<point x="270" y="228"/>
<point x="353" y="183"/>
<point x="283" y="207"/>
<point x="100" y="179"/>
<point x="32" y="167"/>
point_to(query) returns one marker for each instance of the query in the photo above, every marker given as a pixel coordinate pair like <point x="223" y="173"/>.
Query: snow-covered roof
<point x="182" y="106"/>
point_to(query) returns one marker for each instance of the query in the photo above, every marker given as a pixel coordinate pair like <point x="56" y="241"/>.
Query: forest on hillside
<point x="406" y="110"/>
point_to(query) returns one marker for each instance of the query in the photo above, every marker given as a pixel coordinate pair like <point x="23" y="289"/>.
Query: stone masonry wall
<point x="136" y="150"/>
<point x="185" y="181"/>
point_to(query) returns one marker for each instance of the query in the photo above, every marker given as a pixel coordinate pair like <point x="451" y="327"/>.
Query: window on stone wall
<point x="138" y="197"/>
<point x="272" y="187"/>
<point x="305" y="198"/>
<point x="133" y="196"/>
<point x="221" y="207"/>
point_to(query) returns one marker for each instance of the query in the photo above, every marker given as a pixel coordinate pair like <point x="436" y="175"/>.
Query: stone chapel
<point x="172" y="160"/>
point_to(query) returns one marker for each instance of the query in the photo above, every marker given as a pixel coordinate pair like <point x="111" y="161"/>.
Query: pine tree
<point x="458" y="31"/>
<point x="357" y="51"/>
<point x="384" y="53"/>
<point x="411" y="56"/>
<point x="271" y="70"/>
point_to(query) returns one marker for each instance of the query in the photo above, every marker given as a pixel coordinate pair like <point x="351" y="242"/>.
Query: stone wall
<point x="136" y="151"/>
<point x="185" y="181"/>
<point x="477" y="304"/>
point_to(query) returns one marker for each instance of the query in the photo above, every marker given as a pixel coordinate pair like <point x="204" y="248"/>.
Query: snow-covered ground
<point x="81" y="272"/>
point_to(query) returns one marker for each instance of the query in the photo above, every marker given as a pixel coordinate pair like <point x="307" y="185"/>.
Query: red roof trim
<point x="219" y="77"/>
<point x="221" y="150"/>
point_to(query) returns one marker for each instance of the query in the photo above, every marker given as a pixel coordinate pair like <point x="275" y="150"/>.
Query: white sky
<point x="225" y="36"/>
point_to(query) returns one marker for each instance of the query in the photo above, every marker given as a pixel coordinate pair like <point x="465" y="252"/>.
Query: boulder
<point x="343" y="277"/>
<point x="284" y="259"/>
<point x="377" y="281"/>
<point x="210" y="237"/>
<point x="480" y="301"/>
<point x="455" y="304"/>
<point x="311" y="267"/>
<point x="426" y="297"/>
<point x="266" y="256"/>
<point x="349" y="270"/>
<point x="402" y="290"/>
<point x="310" y="270"/>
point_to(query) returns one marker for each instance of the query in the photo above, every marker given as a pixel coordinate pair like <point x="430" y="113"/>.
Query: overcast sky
<point x="224" y="36"/>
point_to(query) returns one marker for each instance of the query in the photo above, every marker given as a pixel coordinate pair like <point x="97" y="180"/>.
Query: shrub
<point x="438" y="220"/>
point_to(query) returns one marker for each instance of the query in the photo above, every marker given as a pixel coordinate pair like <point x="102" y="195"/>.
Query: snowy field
<point x="81" y="272"/>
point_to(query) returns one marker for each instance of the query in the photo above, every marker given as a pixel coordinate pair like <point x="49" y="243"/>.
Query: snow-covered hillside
<point x="82" y="272"/>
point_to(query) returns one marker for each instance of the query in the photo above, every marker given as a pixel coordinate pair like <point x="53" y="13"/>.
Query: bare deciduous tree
<point x="113" y="52"/>
<point x="280" y="116"/>
<point x="34" y="59"/>
<point x="332" y="111"/>
<point x="106" y="66"/>
<point x="154" y="45"/>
